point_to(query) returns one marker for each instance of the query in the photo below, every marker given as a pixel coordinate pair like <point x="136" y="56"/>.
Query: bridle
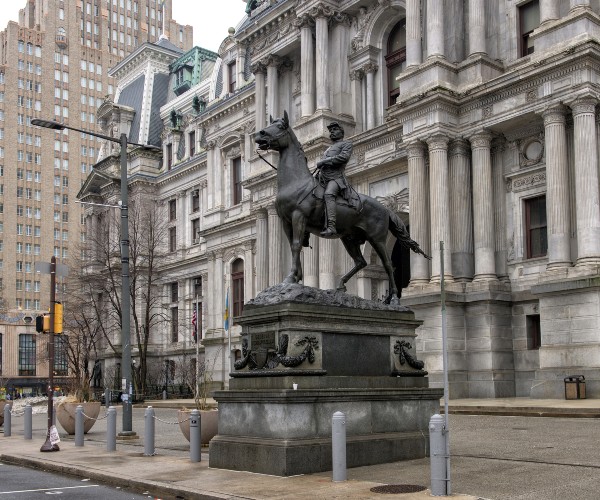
<point x="270" y="141"/>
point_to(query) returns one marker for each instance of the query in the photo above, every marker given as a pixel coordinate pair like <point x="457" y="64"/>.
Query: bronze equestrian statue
<point x="302" y="212"/>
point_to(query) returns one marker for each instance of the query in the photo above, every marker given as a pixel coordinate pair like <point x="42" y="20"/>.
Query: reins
<point x="265" y="160"/>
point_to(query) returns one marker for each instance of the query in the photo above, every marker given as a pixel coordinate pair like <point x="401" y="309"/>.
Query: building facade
<point x="477" y="120"/>
<point x="54" y="65"/>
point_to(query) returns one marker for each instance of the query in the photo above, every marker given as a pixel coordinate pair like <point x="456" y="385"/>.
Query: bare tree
<point x="101" y="277"/>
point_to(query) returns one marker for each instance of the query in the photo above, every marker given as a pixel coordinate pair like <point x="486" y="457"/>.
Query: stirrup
<point x="328" y="232"/>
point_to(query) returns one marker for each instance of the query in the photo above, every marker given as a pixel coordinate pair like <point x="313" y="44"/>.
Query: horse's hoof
<point x="394" y="300"/>
<point x="341" y="288"/>
<point x="289" y="281"/>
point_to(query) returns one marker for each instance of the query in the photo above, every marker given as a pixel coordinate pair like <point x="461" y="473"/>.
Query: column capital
<point x="341" y="18"/>
<point x="555" y="114"/>
<point x="210" y="145"/>
<point x="261" y="214"/>
<point x="370" y="67"/>
<point x="437" y="142"/>
<point x="272" y="211"/>
<point x="481" y="139"/>
<point x="271" y="60"/>
<point x="321" y="10"/>
<point x="416" y="149"/>
<point x="304" y="21"/>
<point x="459" y="146"/>
<point x="357" y="74"/>
<point x="258" y="67"/>
<point x="584" y="104"/>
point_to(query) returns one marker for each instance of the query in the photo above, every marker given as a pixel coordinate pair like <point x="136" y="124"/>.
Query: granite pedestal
<point x="341" y="354"/>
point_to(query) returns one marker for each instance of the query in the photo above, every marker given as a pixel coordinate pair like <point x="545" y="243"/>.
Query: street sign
<point x="44" y="268"/>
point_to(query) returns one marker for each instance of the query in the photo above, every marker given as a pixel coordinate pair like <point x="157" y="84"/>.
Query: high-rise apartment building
<point x="54" y="65"/>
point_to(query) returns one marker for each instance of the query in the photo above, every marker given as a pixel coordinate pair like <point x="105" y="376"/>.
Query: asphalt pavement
<point x="493" y="457"/>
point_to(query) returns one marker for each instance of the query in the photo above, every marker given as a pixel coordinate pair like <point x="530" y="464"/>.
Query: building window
<point x="27" y="359"/>
<point x="231" y="71"/>
<point x="172" y="210"/>
<point x="61" y="360"/>
<point x="169" y="154"/>
<point x="196" y="230"/>
<point x="534" y="332"/>
<point x="174" y="292"/>
<point x="195" y="200"/>
<point x="0" y="354"/>
<point x="236" y="177"/>
<point x="172" y="239"/>
<point x="529" y="19"/>
<point x="192" y="141"/>
<point x="174" y="324"/>
<point x="237" y="285"/>
<point x="395" y="59"/>
<point x="536" y="227"/>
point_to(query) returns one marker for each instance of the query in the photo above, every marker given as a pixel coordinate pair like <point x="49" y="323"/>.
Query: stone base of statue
<point x="307" y="354"/>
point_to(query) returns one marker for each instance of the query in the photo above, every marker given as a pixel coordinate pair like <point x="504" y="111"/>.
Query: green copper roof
<point x="199" y="61"/>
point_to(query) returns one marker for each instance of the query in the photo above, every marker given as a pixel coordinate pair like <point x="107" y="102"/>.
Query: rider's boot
<point x="329" y="231"/>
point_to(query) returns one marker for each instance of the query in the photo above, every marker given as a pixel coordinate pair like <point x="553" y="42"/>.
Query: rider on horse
<point x="331" y="174"/>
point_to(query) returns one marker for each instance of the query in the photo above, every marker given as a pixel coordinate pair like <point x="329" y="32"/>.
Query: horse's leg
<point x="295" y="234"/>
<point x="379" y="247"/>
<point x="353" y="249"/>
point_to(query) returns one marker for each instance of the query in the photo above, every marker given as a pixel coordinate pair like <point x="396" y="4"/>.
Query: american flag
<point x="195" y="325"/>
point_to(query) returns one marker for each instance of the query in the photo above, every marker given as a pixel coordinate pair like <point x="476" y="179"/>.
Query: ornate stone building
<point x="478" y="119"/>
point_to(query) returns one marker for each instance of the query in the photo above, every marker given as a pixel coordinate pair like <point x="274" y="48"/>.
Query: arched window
<point x="237" y="285"/>
<point x="395" y="59"/>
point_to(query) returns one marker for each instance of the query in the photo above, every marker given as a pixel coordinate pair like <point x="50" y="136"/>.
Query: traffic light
<point x="58" y="317"/>
<point x="42" y="323"/>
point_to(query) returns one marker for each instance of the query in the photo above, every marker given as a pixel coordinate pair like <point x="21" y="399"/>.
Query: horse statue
<point x="302" y="212"/>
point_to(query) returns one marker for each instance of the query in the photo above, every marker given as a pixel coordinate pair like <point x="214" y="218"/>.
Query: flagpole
<point x="197" y="349"/>
<point x="229" y="330"/>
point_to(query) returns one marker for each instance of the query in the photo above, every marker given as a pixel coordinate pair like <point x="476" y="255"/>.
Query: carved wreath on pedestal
<point x="401" y="349"/>
<point x="254" y="361"/>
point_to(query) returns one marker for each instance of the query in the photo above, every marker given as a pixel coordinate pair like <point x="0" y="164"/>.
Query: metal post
<point x="195" y="440"/>
<point x="28" y="421"/>
<point x="437" y="447"/>
<point x="125" y="298"/>
<point x="7" y="422"/>
<point x="446" y="430"/>
<point x="111" y="429"/>
<point x="338" y="446"/>
<point x="107" y="398"/>
<point x="79" y="425"/>
<point x="149" y="432"/>
<point x="48" y="446"/>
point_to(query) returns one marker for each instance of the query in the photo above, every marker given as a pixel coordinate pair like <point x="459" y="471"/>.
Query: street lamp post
<point x="125" y="297"/>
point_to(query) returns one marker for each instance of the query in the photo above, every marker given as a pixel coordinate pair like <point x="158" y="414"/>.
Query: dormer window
<point x="231" y="71"/>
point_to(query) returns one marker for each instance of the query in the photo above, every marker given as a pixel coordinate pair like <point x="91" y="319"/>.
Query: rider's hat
<point x="335" y="125"/>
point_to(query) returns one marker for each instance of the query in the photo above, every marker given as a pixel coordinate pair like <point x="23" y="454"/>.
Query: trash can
<point x="575" y="387"/>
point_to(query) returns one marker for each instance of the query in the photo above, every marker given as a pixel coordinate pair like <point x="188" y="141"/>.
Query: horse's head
<point x="276" y="135"/>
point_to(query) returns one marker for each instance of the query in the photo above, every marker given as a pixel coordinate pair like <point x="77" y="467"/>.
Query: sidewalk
<point x="171" y="477"/>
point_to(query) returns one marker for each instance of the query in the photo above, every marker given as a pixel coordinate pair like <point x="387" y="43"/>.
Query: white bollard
<point x="338" y="446"/>
<point x="195" y="437"/>
<point x="437" y="447"/>
<point x="111" y="429"/>
<point x="28" y="422"/>
<point x="149" y="432"/>
<point x="79" y="425"/>
<point x="7" y="420"/>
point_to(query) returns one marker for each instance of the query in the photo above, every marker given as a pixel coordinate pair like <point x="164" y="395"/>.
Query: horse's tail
<point x="398" y="229"/>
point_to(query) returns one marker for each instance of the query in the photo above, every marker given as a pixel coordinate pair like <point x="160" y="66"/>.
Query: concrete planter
<point x="209" y="420"/>
<point x="65" y="414"/>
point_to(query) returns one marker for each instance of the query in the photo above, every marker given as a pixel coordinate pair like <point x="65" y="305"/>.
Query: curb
<point x="523" y="412"/>
<point x="126" y="483"/>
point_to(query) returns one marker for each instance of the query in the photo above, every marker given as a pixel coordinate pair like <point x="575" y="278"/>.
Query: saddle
<point x="347" y="197"/>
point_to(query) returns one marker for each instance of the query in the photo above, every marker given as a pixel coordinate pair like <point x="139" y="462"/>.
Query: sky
<point x="210" y="20"/>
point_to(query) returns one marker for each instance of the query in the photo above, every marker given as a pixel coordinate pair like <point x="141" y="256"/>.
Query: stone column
<point x="557" y="188"/>
<point x="439" y="199"/>
<point x="273" y="63"/>
<point x="248" y="270"/>
<point x="327" y="264"/>
<point x="483" y="207"/>
<point x="218" y="307"/>
<point x="307" y="65"/>
<point x="586" y="181"/>
<point x="370" y="69"/>
<point x="311" y="263"/>
<point x="413" y="33"/>
<point x="275" y="274"/>
<point x="548" y="10"/>
<point x="219" y="166"/>
<point x="499" y="184"/>
<point x="461" y="210"/>
<point x="262" y="251"/>
<point x="241" y="66"/>
<point x="476" y="27"/>
<point x="356" y="77"/>
<point x="418" y="196"/>
<point x="579" y="3"/>
<point x="435" y="28"/>
<point x="261" y="94"/>
<point x="210" y="174"/>
<point x="321" y="14"/>
<point x="208" y="291"/>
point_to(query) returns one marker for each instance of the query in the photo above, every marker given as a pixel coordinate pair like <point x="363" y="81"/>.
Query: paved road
<point x="28" y="484"/>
